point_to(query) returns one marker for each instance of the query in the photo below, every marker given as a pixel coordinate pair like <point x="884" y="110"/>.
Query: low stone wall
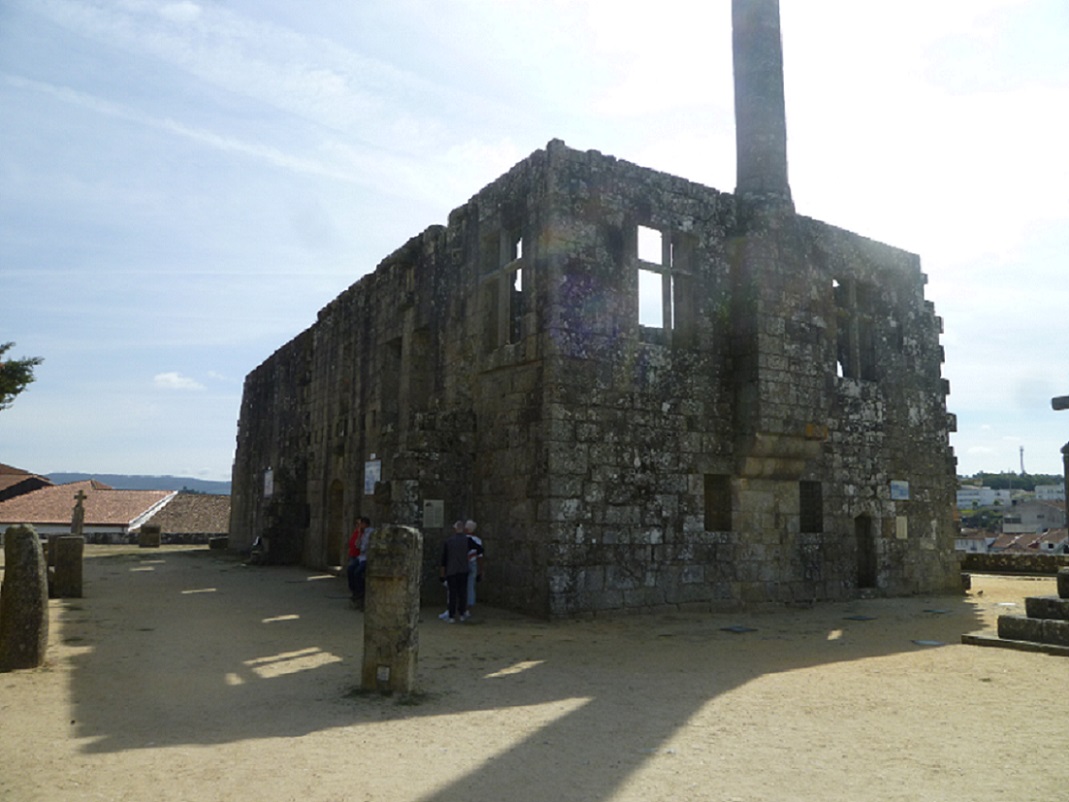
<point x="166" y="539"/>
<point x="1015" y="563"/>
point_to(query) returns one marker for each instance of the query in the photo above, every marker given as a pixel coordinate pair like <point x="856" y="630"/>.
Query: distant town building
<point x="1033" y="516"/>
<point x="972" y="497"/>
<point x="972" y="541"/>
<point x="1050" y="492"/>
<point x="1056" y="541"/>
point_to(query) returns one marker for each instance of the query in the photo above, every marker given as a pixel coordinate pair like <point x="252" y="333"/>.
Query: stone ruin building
<point x="772" y="428"/>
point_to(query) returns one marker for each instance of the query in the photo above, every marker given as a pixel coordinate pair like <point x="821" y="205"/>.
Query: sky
<point x="184" y="185"/>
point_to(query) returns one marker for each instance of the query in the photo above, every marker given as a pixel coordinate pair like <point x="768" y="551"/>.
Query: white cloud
<point x="175" y="381"/>
<point x="181" y="12"/>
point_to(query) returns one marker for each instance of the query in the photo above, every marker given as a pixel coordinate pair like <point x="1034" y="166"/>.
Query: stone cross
<point x="78" y="516"/>
<point x="1060" y="402"/>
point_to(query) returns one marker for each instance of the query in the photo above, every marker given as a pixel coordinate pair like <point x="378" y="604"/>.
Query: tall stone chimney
<point x="760" y="118"/>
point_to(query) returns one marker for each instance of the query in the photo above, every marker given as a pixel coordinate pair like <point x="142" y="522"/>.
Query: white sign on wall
<point x="372" y="474"/>
<point x="433" y="514"/>
<point x="899" y="490"/>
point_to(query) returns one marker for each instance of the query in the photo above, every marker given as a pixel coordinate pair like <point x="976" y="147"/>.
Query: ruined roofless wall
<point x="742" y="449"/>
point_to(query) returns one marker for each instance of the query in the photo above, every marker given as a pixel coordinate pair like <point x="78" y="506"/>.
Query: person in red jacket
<point x="357" y="568"/>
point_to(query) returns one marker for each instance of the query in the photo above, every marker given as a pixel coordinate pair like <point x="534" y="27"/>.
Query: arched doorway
<point x="335" y="534"/>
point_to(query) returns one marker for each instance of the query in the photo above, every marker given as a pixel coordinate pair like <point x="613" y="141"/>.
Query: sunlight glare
<point x="291" y="662"/>
<point x="516" y="668"/>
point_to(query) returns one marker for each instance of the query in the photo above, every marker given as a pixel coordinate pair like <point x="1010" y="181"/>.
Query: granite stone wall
<point x="777" y="433"/>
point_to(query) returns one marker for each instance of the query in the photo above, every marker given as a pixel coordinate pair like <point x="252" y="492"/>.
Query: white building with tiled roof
<point x="110" y="515"/>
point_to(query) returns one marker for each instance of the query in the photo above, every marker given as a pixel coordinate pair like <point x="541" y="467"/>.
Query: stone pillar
<point x="68" y="578"/>
<point x="760" y="112"/>
<point x="1065" y="479"/>
<point x="23" y="600"/>
<point x="149" y="537"/>
<point x="391" y="610"/>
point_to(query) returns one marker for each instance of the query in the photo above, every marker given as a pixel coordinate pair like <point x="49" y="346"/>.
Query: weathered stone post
<point x="68" y="578"/>
<point x="23" y="600"/>
<point x="391" y="612"/>
<point x="149" y="536"/>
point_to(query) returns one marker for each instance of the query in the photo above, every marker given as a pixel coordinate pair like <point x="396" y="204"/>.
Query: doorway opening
<point x="866" y="551"/>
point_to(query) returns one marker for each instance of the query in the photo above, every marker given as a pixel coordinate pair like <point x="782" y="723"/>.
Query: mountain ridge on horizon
<point x="143" y="482"/>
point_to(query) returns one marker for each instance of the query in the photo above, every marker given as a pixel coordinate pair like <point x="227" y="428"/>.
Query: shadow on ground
<point x="187" y="647"/>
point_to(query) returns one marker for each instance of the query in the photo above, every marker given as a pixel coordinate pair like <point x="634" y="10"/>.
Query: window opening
<point x="650" y="245"/>
<point x="810" y="507"/>
<point x="516" y="305"/>
<point x="718" y="516"/>
<point x="657" y="287"/>
<point x="507" y="291"/>
<point x="650" y="299"/>
<point x="490" y="314"/>
<point x="855" y="347"/>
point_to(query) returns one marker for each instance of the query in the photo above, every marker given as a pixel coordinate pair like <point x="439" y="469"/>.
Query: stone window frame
<point x="507" y="286"/>
<point x="676" y="269"/>
<point x="855" y="346"/>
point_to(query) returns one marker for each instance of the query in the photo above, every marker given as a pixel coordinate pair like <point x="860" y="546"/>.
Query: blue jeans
<point x="356" y="572"/>
<point x="473" y="572"/>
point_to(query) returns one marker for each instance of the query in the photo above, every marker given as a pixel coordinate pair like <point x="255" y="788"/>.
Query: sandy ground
<point x="184" y="675"/>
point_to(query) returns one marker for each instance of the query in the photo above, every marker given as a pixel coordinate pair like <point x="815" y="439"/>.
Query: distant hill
<point x="122" y="482"/>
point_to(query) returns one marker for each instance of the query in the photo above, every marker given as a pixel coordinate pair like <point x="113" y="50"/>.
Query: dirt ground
<point x="184" y="675"/>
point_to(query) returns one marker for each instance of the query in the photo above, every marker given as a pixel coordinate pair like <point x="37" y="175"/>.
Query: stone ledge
<point x="1038" y="630"/>
<point x="1047" y="607"/>
<point x="991" y="639"/>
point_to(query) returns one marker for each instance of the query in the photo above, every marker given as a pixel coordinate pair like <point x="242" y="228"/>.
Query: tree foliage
<point x="1011" y="481"/>
<point x="15" y="375"/>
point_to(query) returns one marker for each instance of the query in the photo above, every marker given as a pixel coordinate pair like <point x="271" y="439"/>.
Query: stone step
<point x="991" y="639"/>
<point x="1037" y="630"/>
<point x="1047" y="607"/>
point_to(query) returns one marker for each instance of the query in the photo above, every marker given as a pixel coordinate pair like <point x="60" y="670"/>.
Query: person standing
<point x="357" y="567"/>
<point x="458" y="526"/>
<point x="476" y="555"/>
<point x="454" y="571"/>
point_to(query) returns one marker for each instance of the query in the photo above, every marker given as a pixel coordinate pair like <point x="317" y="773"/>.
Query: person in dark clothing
<point x="454" y="572"/>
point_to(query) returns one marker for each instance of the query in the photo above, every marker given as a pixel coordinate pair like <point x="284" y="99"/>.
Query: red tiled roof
<point x="12" y="479"/>
<point x="1053" y="536"/>
<point x="103" y="505"/>
<point x="194" y="514"/>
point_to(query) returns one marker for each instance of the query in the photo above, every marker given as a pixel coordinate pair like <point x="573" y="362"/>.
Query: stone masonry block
<point x="1047" y="607"/>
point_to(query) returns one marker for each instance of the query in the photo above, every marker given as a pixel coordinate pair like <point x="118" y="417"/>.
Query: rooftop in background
<point x="104" y="505"/>
<point x="16" y="482"/>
